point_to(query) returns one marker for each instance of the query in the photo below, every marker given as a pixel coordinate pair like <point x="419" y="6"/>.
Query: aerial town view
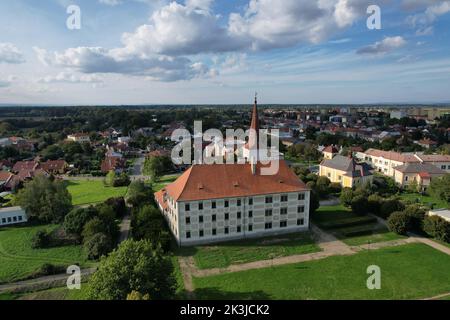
<point x="211" y="150"/>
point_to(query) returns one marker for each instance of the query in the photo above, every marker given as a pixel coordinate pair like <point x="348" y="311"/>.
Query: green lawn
<point x="56" y="294"/>
<point x="425" y="199"/>
<point x="407" y="272"/>
<point x="243" y="251"/>
<point x="92" y="191"/>
<point x="360" y="230"/>
<point x="19" y="260"/>
<point x="164" y="181"/>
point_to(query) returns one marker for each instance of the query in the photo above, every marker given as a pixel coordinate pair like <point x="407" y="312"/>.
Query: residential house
<point x="79" y="137"/>
<point x="346" y="171"/>
<point x="419" y="173"/>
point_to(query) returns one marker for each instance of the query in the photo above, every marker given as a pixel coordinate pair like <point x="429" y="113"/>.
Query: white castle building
<point x="222" y="202"/>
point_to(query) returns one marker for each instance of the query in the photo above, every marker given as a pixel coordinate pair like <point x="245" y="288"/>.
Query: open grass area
<point x="56" y="294"/>
<point x="243" y="251"/>
<point x="425" y="199"/>
<point x="407" y="272"/>
<point x="352" y="229"/>
<point x="19" y="260"/>
<point x="92" y="191"/>
<point x="164" y="181"/>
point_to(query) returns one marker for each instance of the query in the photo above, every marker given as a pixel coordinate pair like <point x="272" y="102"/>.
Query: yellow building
<point x="345" y="171"/>
<point x="329" y="152"/>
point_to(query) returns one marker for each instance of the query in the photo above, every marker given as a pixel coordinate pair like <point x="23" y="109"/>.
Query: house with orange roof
<point x="223" y="202"/>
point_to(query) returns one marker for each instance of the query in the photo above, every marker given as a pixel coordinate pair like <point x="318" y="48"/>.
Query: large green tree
<point x="45" y="199"/>
<point x="133" y="266"/>
<point x="440" y="188"/>
<point x="139" y="194"/>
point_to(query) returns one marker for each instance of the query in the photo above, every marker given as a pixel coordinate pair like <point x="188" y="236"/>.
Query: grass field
<point x="19" y="260"/>
<point x="238" y="252"/>
<point x="407" y="272"/>
<point x="92" y="191"/>
<point x="425" y="199"/>
<point x="164" y="181"/>
<point x="363" y="230"/>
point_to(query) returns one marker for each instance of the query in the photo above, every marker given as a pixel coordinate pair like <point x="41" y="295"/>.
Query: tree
<point x="437" y="228"/>
<point x="52" y="152"/>
<point x="75" y="221"/>
<point x="149" y="224"/>
<point x="118" y="205"/>
<point x="110" y="178"/>
<point x="314" y="202"/>
<point x="139" y="194"/>
<point x="417" y="215"/>
<point x="133" y="266"/>
<point x="134" y="295"/>
<point x="41" y="239"/>
<point x="413" y="187"/>
<point x="399" y="222"/>
<point x="98" y="245"/>
<point x="322" y="186"/>
<point x="154" y="167"/>
<point x="440" y="188"/>
<point x="45" y="200"/>
<point x="374" y="202"/>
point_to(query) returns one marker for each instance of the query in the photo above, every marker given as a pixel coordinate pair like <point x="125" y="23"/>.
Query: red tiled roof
<point x="54" y="165"/>
<point x="111" y="163"/>
<point x="392" y="155"/>
<point x="25" y="165"/>
<point x="5" y="175"/>
<point x="217" y="181"/>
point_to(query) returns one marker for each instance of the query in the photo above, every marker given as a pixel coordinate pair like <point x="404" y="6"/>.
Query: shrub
<point x="41" y="239"/>
<point x="346" y="197"/>
<point x="417" y="215"/>
<point x="374" y="203"/>
<point x="335" y="187"/>
<point x="390" y="206"/>
<point x="359" y="205"/>
<point x="437" y="228"/>
<point x="98" y="245"/>
<point x="399" y="222"/>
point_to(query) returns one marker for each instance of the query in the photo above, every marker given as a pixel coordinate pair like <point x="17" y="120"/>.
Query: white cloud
<point x="69" y="77"/>
<point x="178" y="29"/>
<point x="423" y="21"/>
<point x="278" y="24"/>
<point x="9" y="53"/>
<point x="387" y="45"/>
<point x="100" y="60"/>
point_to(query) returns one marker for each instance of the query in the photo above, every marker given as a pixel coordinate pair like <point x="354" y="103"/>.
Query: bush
<point x="335" y="187"/>
<point x="98" y="245"/>
<point x="41" y="239"/>
<point x="390" y="206"/>
<point x="123" y="180"/>
<point x="359" y="205"/>
<point x="399" y="222"/>
<point x="437" y="228"/>
<point x="374" y="203"/>
<point x="346" y="197"/>
<point x="417" y="215"/>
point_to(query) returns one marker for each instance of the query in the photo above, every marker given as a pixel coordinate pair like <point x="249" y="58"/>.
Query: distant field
<point x="19" y="260"/>
<point x="425" y="199"/>
<point x="225" y="254"/>
<point x="359" y="230"/>
<point x="164" y="181"/>
<point x="92" y="191"/>
<point x="407" y="272"/>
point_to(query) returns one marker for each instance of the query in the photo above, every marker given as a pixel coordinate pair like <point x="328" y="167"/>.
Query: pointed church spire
<point x="254" y="136"/>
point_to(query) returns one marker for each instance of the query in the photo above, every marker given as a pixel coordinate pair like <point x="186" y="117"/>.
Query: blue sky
<point x="222" y="51"/>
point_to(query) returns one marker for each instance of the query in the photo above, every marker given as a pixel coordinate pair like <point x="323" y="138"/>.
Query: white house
<point x="12" y="215"/>
<point x="443" y="213"/>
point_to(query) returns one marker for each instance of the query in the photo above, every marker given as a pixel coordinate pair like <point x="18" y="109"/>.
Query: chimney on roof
<point x="253" y="167"/>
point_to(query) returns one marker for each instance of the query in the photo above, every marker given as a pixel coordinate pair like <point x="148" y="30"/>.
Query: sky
<point x="130" y="52"/>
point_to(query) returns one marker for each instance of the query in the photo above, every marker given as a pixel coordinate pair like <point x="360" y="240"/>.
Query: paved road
<point x="42" y="283"/>
<point x="125" y="226"/>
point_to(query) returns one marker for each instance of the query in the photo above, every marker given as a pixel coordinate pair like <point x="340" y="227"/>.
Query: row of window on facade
<point x="269" y="199"/>
<point x="226" y="230"/>
<point x="268" y="213"/>
<point x="12" y="219"/>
